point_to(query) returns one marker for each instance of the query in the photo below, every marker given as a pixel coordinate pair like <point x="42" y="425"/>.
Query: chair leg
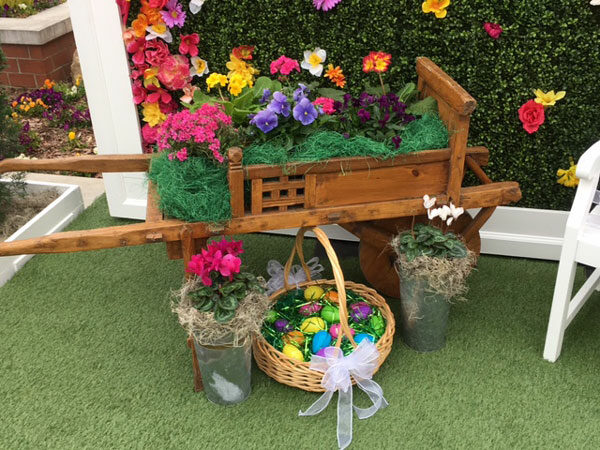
<point x="560" y="307"/>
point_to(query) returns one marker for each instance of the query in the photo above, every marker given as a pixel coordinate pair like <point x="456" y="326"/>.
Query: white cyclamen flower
<point x="595" y="2"/>
<point x="196" y="6"/>
<point x="433" y="213"/>
<point x="313" y="61"/>
<point x="200" y="66"/>
<point x="22" y="6"/>
<point x="456" y="212"/>
<point x="444" y="212"/>
<point x="428" y="202"/>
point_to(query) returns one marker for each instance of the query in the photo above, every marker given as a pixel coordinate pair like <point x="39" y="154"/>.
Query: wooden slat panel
<point x="257" y="196"/>
<point x="310" y="191"/>
<point x="334" y="165"/>
<point x="283" y="202"/>
<point x="88" y="164"/>
<point x="388" y="183"/>
<point x="130" y="235"/>
<point x="276" y="186"/>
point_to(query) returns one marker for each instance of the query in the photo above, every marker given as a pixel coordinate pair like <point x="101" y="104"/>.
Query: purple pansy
<point x="397" y="140"/>
<point x="265" y="120"/>
<point x="305" y="112"/>
<point x="280" y="104"/>
<point x="301" y="92"/>
<point x="265" y="97"/>
<point x="363" y="115"/>
<point x="174" y="16"/>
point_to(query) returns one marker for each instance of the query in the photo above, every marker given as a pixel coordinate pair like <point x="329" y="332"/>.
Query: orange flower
<point x="243" y="52"/>
<point x="139" y="25"/>
<point x="152" y="14"/>
<point x="336" y="76"/>
<point x="49" y="84"/>
<point x="14" y="104"/>
<point x="377" y="62"/>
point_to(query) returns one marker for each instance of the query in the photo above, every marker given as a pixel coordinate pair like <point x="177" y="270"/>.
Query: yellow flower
<point x="436" y="6"/>
<point x="549" y="98"/>
<point x="15" y="115"/>
<point x="568" y="177"/>
<point x="237" y="66"/>
<point x="72" y="136"/>
<point x="153" y="115"/>
<point x="150" y="77"/>
<point x="78" y="80"/>
<point x="215" y="79"/>
<point x="236" y="83"/>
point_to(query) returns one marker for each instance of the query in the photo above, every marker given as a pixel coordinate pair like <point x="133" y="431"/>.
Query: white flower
<point x="74" y="90"/>
<point x="444" y="212"/>
<point x="153" y="34"/>
<point x="456" y="212"/>
<point x="428" y="202"/>
<point x="313" y="61"/>
<point x="449" y="221"/>
<point x="200" y="66"/>
<point x="433" y="213"/>
<point x="595" y="2"/>
<point x="196" y="6"/>
<point x="22" y="6"/>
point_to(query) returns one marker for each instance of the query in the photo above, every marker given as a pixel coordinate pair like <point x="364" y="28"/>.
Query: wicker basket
<point x="298" y="374"/>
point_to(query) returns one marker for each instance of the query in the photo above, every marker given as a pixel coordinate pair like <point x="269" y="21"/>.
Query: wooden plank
<point x="257" y="196"/>
<point x="445" y="87"/>
<point x="483" y="196"/>
<point x="390" y="183"/>
<point x="310" y="191"/>
<point x="334" y="165"/>
<point x="282" y="202"/>
<point x="235" y="177"/>
<point x="477" y="170"/>
<point x="458" y="143"/>
<point x="88" y="164"/>
<point x="276" y="186"/>
<point x="153" y="214"/>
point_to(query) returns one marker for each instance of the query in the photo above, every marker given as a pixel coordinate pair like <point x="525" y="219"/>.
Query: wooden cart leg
<point x="198" y="386"/>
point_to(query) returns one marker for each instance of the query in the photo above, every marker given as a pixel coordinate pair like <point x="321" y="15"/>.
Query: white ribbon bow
<point x="297" y="275"/>
<point x="360" y="364"/>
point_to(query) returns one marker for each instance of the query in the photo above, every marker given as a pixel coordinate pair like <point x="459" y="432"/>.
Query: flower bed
<point x="25" y="8"/>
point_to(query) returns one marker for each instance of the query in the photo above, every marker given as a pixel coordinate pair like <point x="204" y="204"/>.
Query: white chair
<point x="581" y="245"/>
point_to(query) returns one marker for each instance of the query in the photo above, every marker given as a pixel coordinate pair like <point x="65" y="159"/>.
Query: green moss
<point x="546" y="45"/>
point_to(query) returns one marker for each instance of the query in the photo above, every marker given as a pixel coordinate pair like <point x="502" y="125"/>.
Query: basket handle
<point x="337" y="275"/>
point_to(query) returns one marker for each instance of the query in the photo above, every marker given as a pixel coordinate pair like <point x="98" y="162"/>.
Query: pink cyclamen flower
<point x="139" y="93"/>
<point x="284" y="65"/>
<point x="230" y="265"/>
<point x="493" y="29"/>
<point x="326" y="104"/>
<point x="189" y="44"/>
<point x="325" y="5"/>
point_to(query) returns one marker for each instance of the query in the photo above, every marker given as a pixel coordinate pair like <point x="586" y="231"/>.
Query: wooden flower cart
<point x="371" y="198"/>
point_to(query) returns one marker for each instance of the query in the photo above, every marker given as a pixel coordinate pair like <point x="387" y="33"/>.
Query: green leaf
<point x="224" y="315"/>
<point x="260" y="85"/>
<point x="245" y="100"/>
<point x="426" y="106"/>
<point x="335" y="94"/>
<point x="229" y="303"/>
<point x="408" y="92"/>
<point x="206" y="304"/>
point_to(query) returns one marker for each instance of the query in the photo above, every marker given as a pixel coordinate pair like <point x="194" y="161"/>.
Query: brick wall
<point x="29" y="65"/>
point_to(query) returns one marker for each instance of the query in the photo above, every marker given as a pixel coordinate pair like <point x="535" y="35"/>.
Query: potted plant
<point x="433" y="264"/>
<point x="222" y="308"/>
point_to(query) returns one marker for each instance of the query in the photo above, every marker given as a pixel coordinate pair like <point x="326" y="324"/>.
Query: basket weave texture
<point x="298" y="374"/>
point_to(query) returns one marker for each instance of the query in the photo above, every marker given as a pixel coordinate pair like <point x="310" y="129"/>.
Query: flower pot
<point x="424" y="315"/>
<point x="225" y="371"/>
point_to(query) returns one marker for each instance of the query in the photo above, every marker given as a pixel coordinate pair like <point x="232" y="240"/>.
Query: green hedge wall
<point x="551" y="45"/>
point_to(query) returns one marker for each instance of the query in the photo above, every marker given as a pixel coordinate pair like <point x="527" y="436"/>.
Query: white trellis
<point x="97" y="27"/>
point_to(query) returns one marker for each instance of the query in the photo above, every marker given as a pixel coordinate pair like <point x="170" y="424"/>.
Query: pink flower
<point x="197" y="266"/>
<point x="182" y="154"/>
<point x="157" y="4"/>
<point x="493" y="29"/>
<point x="174" y="72"/>
<point x="284" y="65"/>
<point x="189" y="44"/>
<point x="532" y="116"/>
<point x="139" y="93"/>
<point x="156" y="94"/>
<point x="326" y="104"/>
<point x="149" y="134"/>
<point x="136" y="47"/>
<point x="325" y="5"/>
<point x="230" y="265"/>
<point x="156" y="52"/>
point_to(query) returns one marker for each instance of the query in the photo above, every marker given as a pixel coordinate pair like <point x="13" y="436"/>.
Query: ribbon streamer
<point x="297" y="275"/>
<point x="338" y="369"/>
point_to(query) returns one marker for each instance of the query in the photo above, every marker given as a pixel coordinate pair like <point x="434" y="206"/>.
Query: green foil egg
<point x="272" y="316"/>
<point x="377" y="324"/>
<point x="330" y="314"/>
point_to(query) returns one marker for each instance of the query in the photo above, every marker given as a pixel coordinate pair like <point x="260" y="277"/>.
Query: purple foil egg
<point x="283" y="326"/>
<point x="360" y="311"/>
<point x="310" y="309"/>
<point x="321" y="352"/>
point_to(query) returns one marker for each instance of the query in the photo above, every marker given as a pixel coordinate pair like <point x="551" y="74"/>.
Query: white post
<point x="104" y="65"/>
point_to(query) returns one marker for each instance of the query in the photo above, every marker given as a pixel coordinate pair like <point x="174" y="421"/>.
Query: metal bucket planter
<point x="424" y="315"/>
<point x="226" y="372"/>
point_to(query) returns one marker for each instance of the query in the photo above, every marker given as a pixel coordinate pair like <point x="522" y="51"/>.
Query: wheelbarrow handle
<point x="88" y="164"/>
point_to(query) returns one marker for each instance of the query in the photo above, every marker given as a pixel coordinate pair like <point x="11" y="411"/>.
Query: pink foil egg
<point x="335" y="330"/>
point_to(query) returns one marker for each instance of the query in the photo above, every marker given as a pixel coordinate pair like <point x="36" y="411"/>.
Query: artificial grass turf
<point x="90" y="356"/>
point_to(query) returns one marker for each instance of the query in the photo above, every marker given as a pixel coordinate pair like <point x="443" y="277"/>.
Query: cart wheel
<point x="377" y="257"/>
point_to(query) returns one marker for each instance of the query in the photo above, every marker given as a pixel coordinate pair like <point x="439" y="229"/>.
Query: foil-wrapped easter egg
<point x="283" y="325"/>
<point x="291" y="351"/>
<point x="332" y="296"/>
<point x="271" y="316"/>
<point x="335" y="330"/>
<point x="320" y="340"/>
<point x="362" y="336"/>
<point x="310" y="309"/>
<point x="321" y="352"/>
<point x="312" y="325"/>
<point x="330" y="314"/>
<point x="293" y="336"/>
<point x="360" y="311"/>
<point x="377" y="324"/>
<point x="313" y="293"/>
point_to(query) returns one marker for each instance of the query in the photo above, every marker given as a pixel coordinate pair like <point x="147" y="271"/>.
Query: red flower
<point x="243" y="51"/>
<point x="189" y="44"/>
<point x="156" y="52"/>
<point x="158" y="4"/>
<point x="156" y="94"/>
<point x="493" y="29"/>
<point x="377" y="62"/>
<point x="139" y="93"/>
<point x="532" y="116"/>
<point x="149" y="134"/>
<point x="174" y="72"/>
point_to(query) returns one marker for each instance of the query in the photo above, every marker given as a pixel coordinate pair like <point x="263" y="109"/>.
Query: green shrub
<point x="551" y="45"/>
